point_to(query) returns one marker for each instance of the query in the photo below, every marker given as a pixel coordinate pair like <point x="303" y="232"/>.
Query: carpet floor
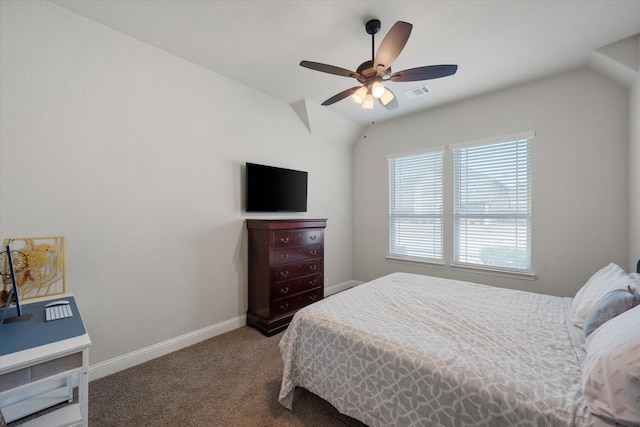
<point x="230" y="380"/>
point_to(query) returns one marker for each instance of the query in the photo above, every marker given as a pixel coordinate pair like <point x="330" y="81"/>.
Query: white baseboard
<point x="137" y="357"/>
<point x="334" y="289"/>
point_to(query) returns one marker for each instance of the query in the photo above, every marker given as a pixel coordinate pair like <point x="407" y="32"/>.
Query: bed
<point x="408" y="349"/>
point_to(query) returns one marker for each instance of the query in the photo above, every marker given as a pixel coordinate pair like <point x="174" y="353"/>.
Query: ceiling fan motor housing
<point x="366" y="69"/>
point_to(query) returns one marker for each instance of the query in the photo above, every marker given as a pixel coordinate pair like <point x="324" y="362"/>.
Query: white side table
<point x="39" y="361"/>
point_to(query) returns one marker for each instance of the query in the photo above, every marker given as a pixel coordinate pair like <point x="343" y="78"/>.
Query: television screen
<point x="273" y="189"/>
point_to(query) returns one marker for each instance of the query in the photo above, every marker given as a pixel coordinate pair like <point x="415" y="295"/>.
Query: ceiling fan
<point x="372" y="74"/>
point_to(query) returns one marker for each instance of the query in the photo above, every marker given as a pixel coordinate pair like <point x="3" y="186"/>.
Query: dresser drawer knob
<point x="284" y="273"/>
<point x="285" y="256"/>
<point x="313" y="237"/>
<point x="284" y="290"/>
<point x="313" y="267"/>
<point x="284" y="306"/>
<point x="312" y="282"/>
<point x="284" y="239"/>
<point x="314" y="252"/>
<point x="313" y="297"/>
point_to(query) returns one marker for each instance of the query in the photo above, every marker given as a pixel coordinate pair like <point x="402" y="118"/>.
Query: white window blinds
<point x="492" y="205"/>
<point x="415" y="206"/>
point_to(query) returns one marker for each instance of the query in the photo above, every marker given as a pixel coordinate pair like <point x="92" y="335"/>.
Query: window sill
<point x="415" y="260"/>
<point x="525" y="275"/>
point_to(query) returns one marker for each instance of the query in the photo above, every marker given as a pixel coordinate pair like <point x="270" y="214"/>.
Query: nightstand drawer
<point x="295" y="302"/>
<point x="301" y="253"/>
<point x="290" y="239"/>
<point x="292" y="271"/>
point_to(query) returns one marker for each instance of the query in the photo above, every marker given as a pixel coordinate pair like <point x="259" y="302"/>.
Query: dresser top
<point x="285" y="224"/>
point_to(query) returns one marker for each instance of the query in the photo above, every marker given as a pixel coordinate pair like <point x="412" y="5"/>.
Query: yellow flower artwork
<point x="38" y="264"/>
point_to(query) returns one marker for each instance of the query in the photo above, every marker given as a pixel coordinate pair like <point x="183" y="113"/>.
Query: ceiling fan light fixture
<point x="367" y="104"/>
<point x="360" y="95"/>
<point x="386" y="97"/>
<point x="377" y="89"/>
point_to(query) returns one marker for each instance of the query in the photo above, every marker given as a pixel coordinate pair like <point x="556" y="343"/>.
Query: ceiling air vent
<point x="416" y="92"/>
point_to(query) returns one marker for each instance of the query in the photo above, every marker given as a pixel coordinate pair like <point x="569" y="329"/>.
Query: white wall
<point x="579" y="176"/>
<point x="634" y="171"/>
<point x="136" y="156"/>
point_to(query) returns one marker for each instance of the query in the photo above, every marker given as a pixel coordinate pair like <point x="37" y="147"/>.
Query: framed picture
<point x="38" y="264"/>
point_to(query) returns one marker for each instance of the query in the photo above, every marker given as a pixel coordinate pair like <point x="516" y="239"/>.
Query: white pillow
<point x="611" y="371"/>
<point x="605" y="280"/>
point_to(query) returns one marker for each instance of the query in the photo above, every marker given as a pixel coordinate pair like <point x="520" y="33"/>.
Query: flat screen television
<point x="274" y="189"/>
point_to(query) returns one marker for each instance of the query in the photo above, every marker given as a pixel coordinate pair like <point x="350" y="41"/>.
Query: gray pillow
<point x="611" y="305"/>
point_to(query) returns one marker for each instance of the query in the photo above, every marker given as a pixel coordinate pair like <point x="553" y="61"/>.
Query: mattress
<point x="408" y="350"/>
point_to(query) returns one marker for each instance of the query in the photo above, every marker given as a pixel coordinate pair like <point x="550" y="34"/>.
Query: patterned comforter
<point x="409" y="350"/>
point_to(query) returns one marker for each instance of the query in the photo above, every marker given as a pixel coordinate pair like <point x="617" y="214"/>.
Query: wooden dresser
<point x="286" y="270"/>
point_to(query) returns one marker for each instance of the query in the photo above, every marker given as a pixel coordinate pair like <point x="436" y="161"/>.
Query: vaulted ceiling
<point x="496" y="44"/>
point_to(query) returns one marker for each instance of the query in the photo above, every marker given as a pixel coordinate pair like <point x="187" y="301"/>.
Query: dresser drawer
<point x="295" y="270"/>
<point x="290" y="239"/>
<point x="301" y="253"/>
<point x="291" y="287"/>
<point x="295" y="302"/>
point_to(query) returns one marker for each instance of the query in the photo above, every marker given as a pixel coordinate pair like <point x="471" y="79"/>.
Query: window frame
<point x="403" y="257"/>
<point x="526" y="272"/>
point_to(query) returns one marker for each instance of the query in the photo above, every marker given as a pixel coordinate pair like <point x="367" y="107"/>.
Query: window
<point x="492" y="205"/>
<point x="415" y="206"/>
<point x="486" y="224"/>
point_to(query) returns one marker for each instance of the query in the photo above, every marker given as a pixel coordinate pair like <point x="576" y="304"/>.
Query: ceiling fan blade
<point x="329" y="69"/>
<point x="424" y="73"/>
<point x="391" y="105"/>
<point x="342" y="95"/>
<point x="392" y="45"/>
